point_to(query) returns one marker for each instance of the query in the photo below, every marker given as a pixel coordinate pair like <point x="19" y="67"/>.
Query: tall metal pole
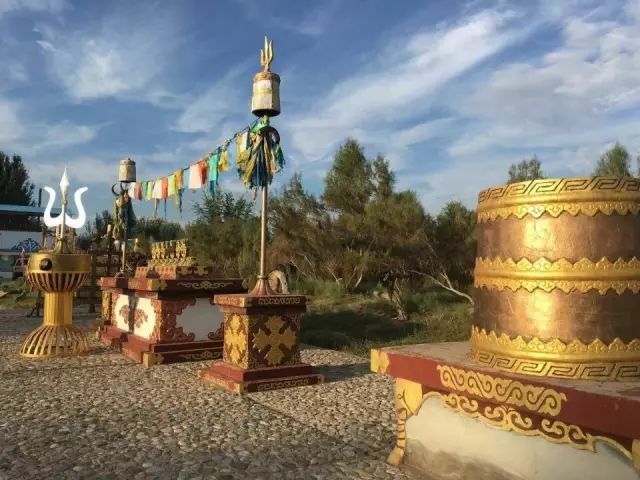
<point x="124" y="246"/>
<point x="263" y="234"/>
<point x="265" y="103"/>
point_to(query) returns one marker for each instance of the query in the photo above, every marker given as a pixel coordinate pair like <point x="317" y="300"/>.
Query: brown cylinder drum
<point x="557" y="278"/>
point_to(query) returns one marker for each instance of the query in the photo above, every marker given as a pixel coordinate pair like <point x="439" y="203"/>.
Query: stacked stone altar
<point x="547" y="385"/>
<point x="165" y="312"/>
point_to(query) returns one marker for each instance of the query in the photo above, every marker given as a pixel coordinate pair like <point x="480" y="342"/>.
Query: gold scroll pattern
<point x="554" y="358"/>
<point x="204" y="285"/>
<point x="245" y="301"/>
<point x="577" y="195"/>
<point x="236" y="340"/>
<point x="511" y="420"/>
<point x="409" y="398"/>
<point x="583" y="275"/>
<point x="537" y="399"/>
<point x="555" y="209"/>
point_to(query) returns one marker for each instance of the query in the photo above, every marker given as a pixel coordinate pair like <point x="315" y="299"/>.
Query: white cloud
<point x="220" y="106"/>
<point x="10" y="129"/>
<point x="400" y="84"/>
<point x="313" y="23"/>
<point x="83" y="170"/>
<point x="27" y="137"/>
<point x="565" y="98"/>
<point x="123" y="56"/>
<point x="41" y="6"/>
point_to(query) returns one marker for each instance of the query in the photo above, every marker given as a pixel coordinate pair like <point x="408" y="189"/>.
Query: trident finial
<point x="64" y="219"/>
<point x="266" y="55"/>
<point x="64" y="184"/>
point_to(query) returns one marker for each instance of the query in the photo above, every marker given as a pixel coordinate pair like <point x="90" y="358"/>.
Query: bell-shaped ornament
<point x="266" y="94"/>
<point x="127" y="172"/>
<point x="266" y="86"/>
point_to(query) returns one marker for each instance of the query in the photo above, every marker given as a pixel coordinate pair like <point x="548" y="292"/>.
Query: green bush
<point x="357" y="323"/>
<point x="326" y="339"/>
<point x="320" y="288"/>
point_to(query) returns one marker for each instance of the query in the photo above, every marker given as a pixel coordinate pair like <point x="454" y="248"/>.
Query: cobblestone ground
<point x="102" y="416"/>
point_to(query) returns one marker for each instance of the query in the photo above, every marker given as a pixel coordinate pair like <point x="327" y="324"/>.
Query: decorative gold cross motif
<point x="235" y="339"/>
<point x="274" y="340"/>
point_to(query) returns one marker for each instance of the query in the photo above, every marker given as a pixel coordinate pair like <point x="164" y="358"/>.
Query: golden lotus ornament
<point x="58" y="273"/>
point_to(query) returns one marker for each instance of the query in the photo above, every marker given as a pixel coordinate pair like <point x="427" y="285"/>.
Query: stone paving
<point x="102" y="416"/>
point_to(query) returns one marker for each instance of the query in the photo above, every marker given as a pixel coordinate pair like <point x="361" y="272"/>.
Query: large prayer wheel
<point x="557" y="278"/>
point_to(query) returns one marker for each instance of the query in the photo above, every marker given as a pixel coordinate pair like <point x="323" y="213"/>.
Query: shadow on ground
<point x="337" y="373"/>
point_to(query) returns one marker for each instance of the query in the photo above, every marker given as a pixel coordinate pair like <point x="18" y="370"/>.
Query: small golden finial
<point x="266" y="55"/>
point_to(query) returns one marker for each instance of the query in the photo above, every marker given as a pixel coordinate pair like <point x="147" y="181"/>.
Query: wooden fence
<point x="103" y="264"/>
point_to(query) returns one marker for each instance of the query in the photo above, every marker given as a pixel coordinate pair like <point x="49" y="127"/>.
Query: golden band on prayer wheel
<point x="557" y="278"/>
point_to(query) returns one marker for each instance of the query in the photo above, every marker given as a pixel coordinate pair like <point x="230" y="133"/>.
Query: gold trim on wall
<point x="576" y="195"/>
<point x="555" y="209"/>
<point x="554" y="358"/>
<point x="409" y="399"/>
<point x="510" y="420"/>
<point x="583" y="275"/>
<point x="537" y="399"/>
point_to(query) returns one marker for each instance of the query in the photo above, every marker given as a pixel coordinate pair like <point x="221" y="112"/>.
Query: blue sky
<point x="450" y="92"/>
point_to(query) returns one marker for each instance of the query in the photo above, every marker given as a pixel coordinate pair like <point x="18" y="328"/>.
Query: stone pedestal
<point x="459" y="420"/>
<point x="165" y="314"/>
<point x="261" y="344"/>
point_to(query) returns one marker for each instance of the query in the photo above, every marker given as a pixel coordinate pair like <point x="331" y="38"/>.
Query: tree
<point x="226" y="234"/>
<point x="530" y="169"/>
<point x="349" y="184"/>
<point x="15" y="189"/>
<point x="301" y="228"/>
<point x="384" y="178"/>
<point x="95" y="231"/>
<point x="455" y="244"/>
<point x="400" y="247"/>
<point x="147" y="230"/>
<point x="615" y="162"/>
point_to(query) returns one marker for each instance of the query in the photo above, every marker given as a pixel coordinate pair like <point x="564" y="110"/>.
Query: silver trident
<point x="64" y="219"/>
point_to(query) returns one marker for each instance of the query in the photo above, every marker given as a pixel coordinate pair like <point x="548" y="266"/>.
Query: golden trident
<point x="266" y="55"/>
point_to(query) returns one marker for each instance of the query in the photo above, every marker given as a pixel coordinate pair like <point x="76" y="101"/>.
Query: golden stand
<point x="58" y="274"/>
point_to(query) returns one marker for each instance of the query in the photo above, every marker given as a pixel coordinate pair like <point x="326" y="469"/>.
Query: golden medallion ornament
<point x="274" y="339"/>
<point x="58" y="273"/>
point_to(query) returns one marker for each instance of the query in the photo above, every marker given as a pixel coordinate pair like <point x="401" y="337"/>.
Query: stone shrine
<point x="165" y="312"/>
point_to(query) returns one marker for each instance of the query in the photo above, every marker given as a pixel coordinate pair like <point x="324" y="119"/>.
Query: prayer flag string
<point x="258" y="157"/>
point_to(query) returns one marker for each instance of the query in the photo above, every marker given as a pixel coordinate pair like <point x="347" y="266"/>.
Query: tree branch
<point x="446" y="284"/>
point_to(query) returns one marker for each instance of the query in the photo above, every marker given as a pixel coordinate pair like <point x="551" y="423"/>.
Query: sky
<point x="451" y="93"/>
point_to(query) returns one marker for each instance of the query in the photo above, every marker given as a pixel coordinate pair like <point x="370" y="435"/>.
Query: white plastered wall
<point x="439" y="432"/>
<point x="145" y="329"/>
<point x="122" y="322"/>
<point x="200" y="319"/>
